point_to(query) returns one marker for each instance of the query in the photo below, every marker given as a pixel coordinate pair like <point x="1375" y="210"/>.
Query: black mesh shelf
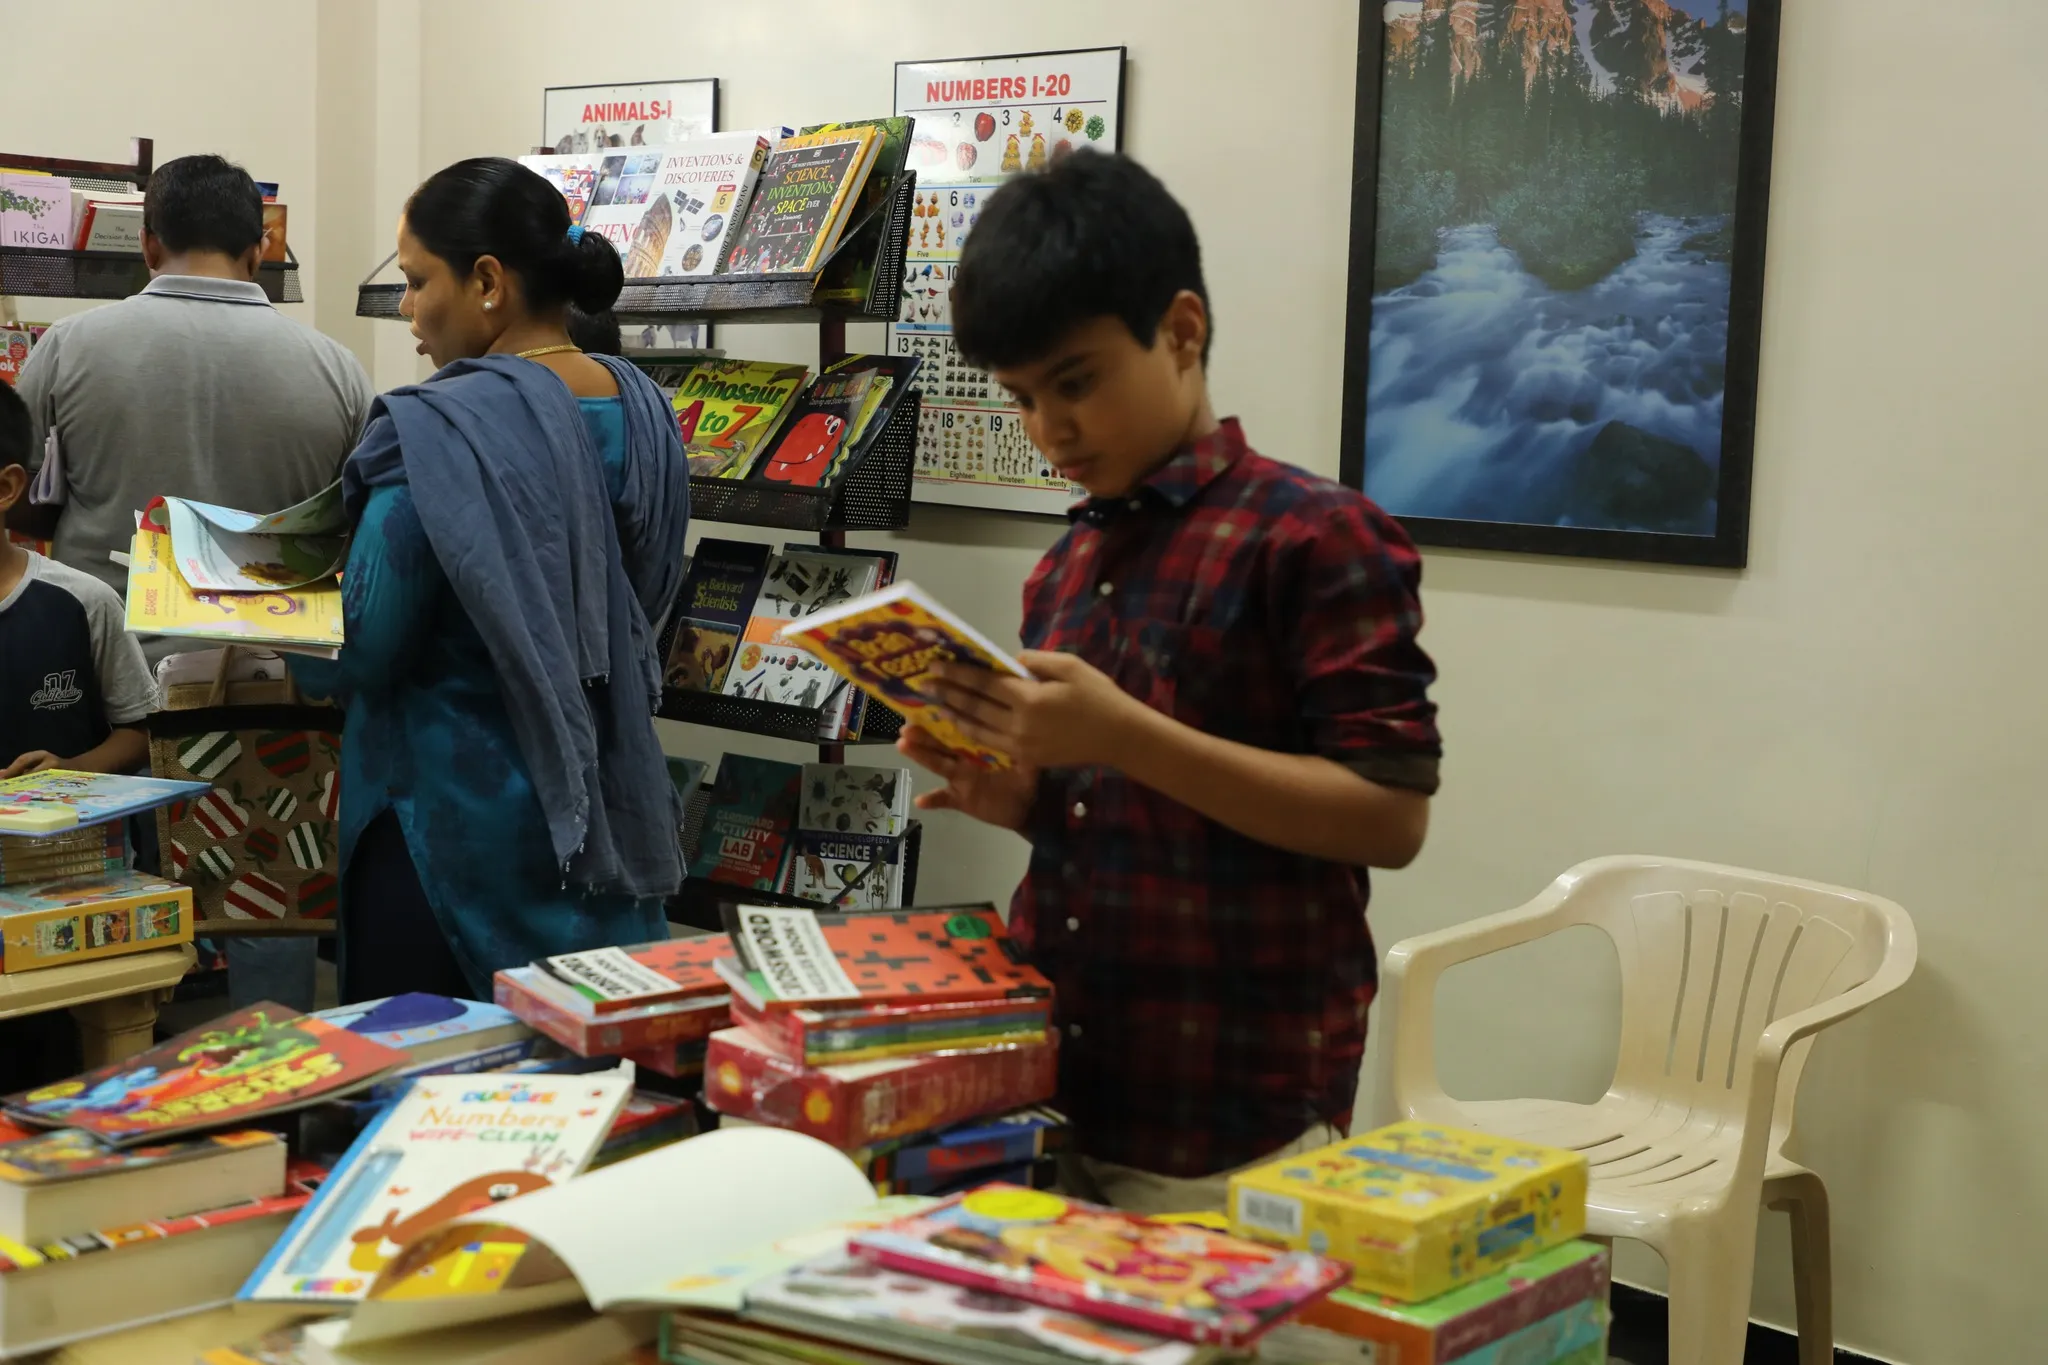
<point x="771" y="719"/>
<point x="882" y="237"/>
<point x="32" y="272"/>
<point x="874" y="495"/>
<point x="701" y="902"/>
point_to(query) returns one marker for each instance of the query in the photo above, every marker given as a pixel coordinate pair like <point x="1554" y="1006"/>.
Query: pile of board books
<point x="69" y="892"/>
<point x="652" y="1004"/>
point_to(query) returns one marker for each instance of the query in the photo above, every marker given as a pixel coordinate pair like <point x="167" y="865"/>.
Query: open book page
<point x="628" y="1234"/>
<point x="304" y="620"/>
<point x="219" y="549"/>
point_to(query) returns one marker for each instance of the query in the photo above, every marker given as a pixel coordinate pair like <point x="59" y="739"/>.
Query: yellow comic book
<point x="887" y="644"/>
<point x="160" y="602"/>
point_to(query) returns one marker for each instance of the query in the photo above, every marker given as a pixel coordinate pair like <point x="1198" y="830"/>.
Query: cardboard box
<point x="869" y="1102"/>
<point x="83" y="919"/>
<point x="1454" y="1328"/>
<point x="1416" y="1209"/>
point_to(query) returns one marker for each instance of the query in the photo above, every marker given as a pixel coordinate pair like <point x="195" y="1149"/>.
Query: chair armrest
<point x="1406" y="1085"/>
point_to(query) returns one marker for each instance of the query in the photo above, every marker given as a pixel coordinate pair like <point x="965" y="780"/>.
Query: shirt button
<point x="1080" y="810"/>
<point x="1073" y="1030"/>
<point x="1104" y="589"/>
<point x="1073" y="925"/>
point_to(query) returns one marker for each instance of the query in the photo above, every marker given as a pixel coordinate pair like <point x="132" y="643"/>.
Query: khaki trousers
<point x="1136" y="1191"/>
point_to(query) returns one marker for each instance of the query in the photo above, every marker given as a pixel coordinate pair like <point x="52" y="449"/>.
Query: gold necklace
<point x="547" y="350"/>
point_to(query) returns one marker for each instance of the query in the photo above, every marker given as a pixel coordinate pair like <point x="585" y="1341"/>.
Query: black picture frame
<point x="1728" y="546"/>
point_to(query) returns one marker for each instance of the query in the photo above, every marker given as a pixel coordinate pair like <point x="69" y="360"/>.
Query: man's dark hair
<point x="17" y="433"/>
<point x="203" y="203"/>
<point x="1094" y="234"/>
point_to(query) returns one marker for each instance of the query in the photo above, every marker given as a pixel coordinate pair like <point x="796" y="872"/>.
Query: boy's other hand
<point x="1068" y="714"/>
<point x="994" y="796"/>
<point x="34" y="761"/>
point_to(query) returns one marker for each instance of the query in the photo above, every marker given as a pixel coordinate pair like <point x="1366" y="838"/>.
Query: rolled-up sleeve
<point x="1348" y="586"/>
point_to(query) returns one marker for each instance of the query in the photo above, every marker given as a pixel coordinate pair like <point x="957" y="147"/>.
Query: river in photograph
<point x="1497" y="398"/>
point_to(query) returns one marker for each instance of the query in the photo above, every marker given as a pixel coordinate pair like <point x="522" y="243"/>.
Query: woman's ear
<point x="490" y="282"/>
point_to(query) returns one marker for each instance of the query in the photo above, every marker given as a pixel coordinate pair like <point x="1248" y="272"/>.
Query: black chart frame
<point x="1728" y="547"/>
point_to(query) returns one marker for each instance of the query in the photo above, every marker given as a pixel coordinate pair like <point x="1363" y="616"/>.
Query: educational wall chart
<point x="981" y="120"/>
<point x="586" y="118"/>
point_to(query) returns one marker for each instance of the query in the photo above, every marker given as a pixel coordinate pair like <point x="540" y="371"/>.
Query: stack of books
<point x="876" y="1031"/>
<point x="158" y="1187"/>
<point x="835" y="835"/>
<point x="652" y="1004"/>
<point x="68" y="892"/>
<point x="1461" y="1247"/>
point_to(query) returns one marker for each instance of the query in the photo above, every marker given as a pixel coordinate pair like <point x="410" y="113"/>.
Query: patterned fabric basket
<point x="260" y="850"/>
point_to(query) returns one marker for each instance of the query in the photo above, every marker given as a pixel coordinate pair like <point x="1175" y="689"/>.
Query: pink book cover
<point x="1177" y="1280"/>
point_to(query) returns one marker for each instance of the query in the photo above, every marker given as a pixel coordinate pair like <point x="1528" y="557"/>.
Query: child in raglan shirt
<point x="1229" y="722"/>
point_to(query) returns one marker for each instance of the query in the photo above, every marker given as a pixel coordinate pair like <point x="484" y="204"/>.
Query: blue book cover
<point x="747" y="826"/>
<point x="717" y="597"/>
<point x="977" y="1145"/>
<point x="502" y="1057"/>
<point x="39" y="805"/>
<point x="429" y="1027"/>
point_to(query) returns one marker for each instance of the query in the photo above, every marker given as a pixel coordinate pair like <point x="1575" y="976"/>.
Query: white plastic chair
<point x="1726" y="975"/>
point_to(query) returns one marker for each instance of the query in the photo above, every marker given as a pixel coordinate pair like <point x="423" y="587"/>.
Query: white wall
<point x="1859" y="705"/>
<point x="229" y="76"/>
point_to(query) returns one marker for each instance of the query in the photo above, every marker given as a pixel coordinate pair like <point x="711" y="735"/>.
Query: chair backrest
<point x="1711" y="956"/>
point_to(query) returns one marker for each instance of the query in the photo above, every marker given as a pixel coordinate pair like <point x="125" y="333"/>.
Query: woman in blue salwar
<point x="519" y="524"/>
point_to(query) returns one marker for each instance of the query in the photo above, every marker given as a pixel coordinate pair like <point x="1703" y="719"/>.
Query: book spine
<point x="656" y="1034"/>
<point x="923" y="1160"/>
<point x="504" y="1054"/>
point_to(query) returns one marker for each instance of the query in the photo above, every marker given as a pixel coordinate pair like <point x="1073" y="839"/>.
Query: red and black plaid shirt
<point x="1212" y="989"/>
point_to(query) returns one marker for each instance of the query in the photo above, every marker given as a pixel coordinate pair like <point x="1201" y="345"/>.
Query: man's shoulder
<point x="101" y="602"/>
<point x="1294" y="505"/>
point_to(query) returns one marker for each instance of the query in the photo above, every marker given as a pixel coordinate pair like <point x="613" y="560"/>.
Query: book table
<point x="114" y="1000"/>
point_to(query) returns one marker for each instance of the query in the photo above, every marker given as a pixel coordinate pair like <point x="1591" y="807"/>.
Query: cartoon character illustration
<point x="1036" y="161"/>
<point x="1012" y="159"/>
<point x="220" y="1054"/>
<point x="469" y="1197"/>
<point x="804" y="456"/>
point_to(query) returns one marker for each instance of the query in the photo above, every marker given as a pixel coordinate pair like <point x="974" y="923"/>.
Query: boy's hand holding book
<point x="1068" y="714"/>
<point x="995" y="796"/>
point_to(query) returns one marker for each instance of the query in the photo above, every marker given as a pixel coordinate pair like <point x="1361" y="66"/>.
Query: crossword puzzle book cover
<point x="792" y="959"/>
<point x="870" y="1102"/>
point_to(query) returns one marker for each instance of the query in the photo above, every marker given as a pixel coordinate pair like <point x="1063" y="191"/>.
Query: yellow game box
<point x="83" y="919"/>
<point x="1416" y="1209"/>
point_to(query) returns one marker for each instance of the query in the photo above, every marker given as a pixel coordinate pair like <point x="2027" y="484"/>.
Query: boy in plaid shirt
<point x="1230" y="719"/>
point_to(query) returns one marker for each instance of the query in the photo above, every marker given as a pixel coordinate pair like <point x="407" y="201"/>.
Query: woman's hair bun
<point x="493" y="206"/>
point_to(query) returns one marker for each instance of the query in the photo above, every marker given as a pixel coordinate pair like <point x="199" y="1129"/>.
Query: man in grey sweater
<point x="194" y="388"/>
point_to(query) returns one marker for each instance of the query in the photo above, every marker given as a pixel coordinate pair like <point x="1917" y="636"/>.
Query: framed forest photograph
<point x="1556" y="275"/>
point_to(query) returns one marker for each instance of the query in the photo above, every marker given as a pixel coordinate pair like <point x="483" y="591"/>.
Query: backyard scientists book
<point x="453" y="1145"/>
<point x="806" y="194"/>
<point x="305" y="620"/>
<point x="719" y="588"/>
<point x="256" y="1061"/>
<point x="790" y="959"/>
<point x="729" y="410"/>
<point x="887" y="643"/>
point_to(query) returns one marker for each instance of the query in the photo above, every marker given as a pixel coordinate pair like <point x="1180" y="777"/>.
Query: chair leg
<point x="1805" y="1198"/>
<point x="1711" y="1273"/>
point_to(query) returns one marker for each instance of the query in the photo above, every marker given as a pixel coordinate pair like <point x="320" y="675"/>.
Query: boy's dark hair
<point x="17" y="433"/>
<point x="1093" y="234"/>
<point x="492" y="206"/>
<point x="203" y="203"/>
<point x="596" y="333"/>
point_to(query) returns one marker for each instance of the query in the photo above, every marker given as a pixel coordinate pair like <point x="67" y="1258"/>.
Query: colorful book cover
<point x="847" y="871"/>
<point x="85" y="919"/>
<point x="812" y="450"/>
<point x="748" y="823"/>
<point x="847" y="799"/>
<point x="276" y="232"/>
<point x="628" y="209"/>
<point x="417" y="1021"/>
<point x="574" y="176"/>
<point x="724" y="579"/>
<point x="888" y="643"/>
<point x="256" y="1061"/>
<point x="708" y="181"/>
<point x="894" y="377"/>
<point x="866" y="1033"/>
<point x="1184" y="1282"/>
<point x="35" y="211"/>
<point x="452" y="1146"/>
<point x="853" y="280"/>
<point x="503" y="1057"/>
<point x="840" y="1296"/>
<point x="864" y="1103"/>
<point x="795" y="958"/>
<point x="800" y="583"/>
<point x="160" y="602"/>
<point x="671" y="1035"/>
<point x="86" y="798"/>
<point x="802" y="202"/>
<point x="977" y="1145"/>
<point x="302" y="1179"/>
<point x="220" y="549"/>
<point x="729" y="410"/>
<point x="70" y="1154"/>
<point x="605" y="980"/>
